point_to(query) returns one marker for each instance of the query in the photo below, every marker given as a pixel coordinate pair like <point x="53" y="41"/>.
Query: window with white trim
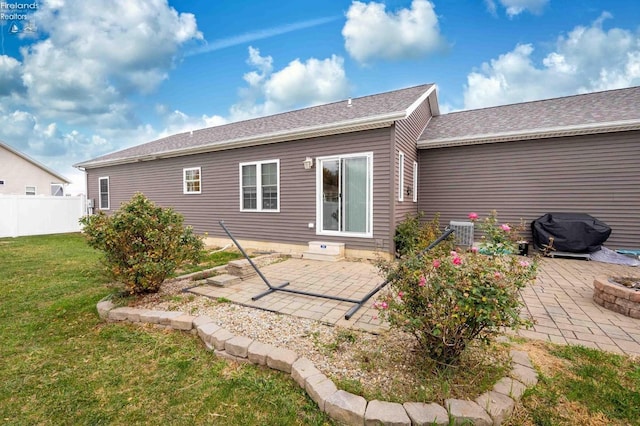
<point x="191" y="180"/>
<point x="30" y="190"/>
<point x="400" y="176"/>
<point x="415" y="181"/>
<point x="103" y="193"/>
<point x="57" y="189"/>
<point x="260" y="186"/>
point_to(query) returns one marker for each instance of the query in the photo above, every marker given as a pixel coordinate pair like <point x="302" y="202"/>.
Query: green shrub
<point x="499" y="238"/>
<point x="448" y="298"/>
<point x="413" y="236"/>
<point x="143" y="244"/>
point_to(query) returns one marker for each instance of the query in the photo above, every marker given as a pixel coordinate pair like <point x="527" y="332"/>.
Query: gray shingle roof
<point x="550" y="117"/>
<point x="293" y="124"/>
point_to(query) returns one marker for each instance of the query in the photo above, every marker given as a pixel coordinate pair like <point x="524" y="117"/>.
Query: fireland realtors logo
<point x="21" y="12"/>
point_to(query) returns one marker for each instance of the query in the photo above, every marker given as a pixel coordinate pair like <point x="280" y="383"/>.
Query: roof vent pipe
<point x="349" y="103"/>
<point x="191" y="133"/>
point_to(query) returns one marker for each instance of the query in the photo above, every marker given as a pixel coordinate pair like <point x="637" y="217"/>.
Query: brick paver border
<point x="490" y="408"/>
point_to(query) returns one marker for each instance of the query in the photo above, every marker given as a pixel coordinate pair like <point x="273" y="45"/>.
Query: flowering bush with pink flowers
<point x="498" y="238"/>
<point x="448" y="298"/>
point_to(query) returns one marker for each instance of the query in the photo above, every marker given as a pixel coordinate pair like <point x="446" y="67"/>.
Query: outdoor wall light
<point x="308" y="163"/>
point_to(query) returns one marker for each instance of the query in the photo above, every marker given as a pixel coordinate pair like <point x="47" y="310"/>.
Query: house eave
<point x="367" y="123"/>
<point x="588" y="129"/>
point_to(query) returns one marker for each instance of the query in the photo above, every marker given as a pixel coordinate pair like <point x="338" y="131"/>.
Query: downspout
<point x="392" y="190"/>
<point x="88" y="211"/>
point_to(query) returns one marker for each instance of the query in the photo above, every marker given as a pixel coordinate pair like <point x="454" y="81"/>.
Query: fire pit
<point x="618" y="294"/>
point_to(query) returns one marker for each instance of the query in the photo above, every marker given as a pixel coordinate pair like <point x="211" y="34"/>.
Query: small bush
<point x="447" y="298"/>
<point x="413" y="236"/>
<point x="499" y="238"/>
<point x="143" y="244"/>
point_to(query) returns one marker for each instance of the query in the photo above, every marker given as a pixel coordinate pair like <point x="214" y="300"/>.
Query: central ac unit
<point x="463" y="232"/>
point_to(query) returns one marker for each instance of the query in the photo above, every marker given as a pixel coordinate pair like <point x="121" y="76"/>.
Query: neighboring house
<point x="21" y="175"/>
<point x="350" y="171"/>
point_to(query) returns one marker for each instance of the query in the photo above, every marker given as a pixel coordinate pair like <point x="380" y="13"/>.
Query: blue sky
<point x="88" y="79"/>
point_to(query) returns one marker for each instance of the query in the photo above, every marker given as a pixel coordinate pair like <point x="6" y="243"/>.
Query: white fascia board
<point x="553" y="132"/>
<point x="433" y="100"/>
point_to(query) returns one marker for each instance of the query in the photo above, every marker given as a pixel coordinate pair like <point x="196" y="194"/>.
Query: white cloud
<point x="92" y="57"/>
<point x="371" y="33"/>
<point x="27" y="133"/>
<point x="491" y="7"/>
<point x="299" y="84"/>
<point x="516" y="7"/>
<point x="10" y="76"/>
<point x="586" y="59"/>
<point x="178" y="122"/>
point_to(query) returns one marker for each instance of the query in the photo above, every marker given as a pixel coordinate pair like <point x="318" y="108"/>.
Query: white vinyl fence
<point x="39" y="215"/>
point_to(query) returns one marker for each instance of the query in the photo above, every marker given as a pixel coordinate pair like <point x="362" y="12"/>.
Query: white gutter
<point x="551" y="132"/>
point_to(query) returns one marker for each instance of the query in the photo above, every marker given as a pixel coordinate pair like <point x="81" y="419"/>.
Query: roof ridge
<point x="252" y="119"/>
<point x="575" y="95"/>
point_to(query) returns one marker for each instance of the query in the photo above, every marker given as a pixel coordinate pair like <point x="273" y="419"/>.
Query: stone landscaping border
<point x="490" y="408"/>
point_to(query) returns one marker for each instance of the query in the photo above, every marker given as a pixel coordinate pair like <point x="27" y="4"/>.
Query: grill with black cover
<point x="571" y="232"/>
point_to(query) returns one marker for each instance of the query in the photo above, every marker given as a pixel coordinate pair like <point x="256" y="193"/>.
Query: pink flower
<point x="457" y="261"/>
<point x="524" y="263"/>
<point x="454" y="253"/>
<point x="400" y="294"/>
<point x="473" y="216"/>
<point x="384" y="305"/>
<point x="423" y="281"/>
<point x="474" y="249"/>
<point x="497" y="275"/>
<point x="505" y="227"/>
<point x="436" y="263"/>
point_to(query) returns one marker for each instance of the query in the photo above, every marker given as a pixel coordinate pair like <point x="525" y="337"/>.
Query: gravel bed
<point x="347" y="356"/>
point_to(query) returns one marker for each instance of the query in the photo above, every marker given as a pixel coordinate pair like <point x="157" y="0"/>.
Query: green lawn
<point x="60" y="364"/>
<point x="581" y="386"/>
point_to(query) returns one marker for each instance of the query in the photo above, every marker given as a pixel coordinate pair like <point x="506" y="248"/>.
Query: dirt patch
<point x="539" y="354"/>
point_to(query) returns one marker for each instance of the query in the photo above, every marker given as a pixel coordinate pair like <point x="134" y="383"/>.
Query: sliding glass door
<point x="345" y="195"/>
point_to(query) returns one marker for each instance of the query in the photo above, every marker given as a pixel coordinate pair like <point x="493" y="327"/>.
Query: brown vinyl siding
<point x="406" y="133"/>
<point x="594" y="174"/>
<point x="161" y="181"/>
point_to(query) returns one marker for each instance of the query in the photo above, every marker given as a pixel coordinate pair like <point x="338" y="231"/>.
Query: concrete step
<point x="325" y="251"/>
<point x="321" y="256"/>
<point x="224" y="280"/>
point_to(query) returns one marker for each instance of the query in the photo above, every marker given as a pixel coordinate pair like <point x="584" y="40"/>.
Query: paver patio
<point x="562" y="306"/>
<point x="560" y="302"/>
